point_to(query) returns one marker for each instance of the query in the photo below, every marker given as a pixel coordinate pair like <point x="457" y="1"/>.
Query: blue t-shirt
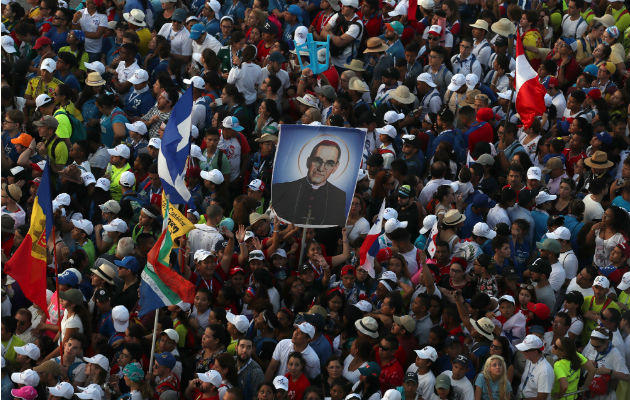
<point x="106" y="325"/>
<point x="494" y="387"/>
<point x="620" y="202"/>
<point x="69" y="80"/>
<point x="138" y="104"/>
<point x="9" y="148"/>
<point x="107" y="132"/>
<point x="58" y="39"/>
<point x="89" y="110"/>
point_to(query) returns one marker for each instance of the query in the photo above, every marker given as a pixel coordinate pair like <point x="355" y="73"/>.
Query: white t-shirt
<point x="281" y="354"/>
<point x="574" y="286"/>
<point x="496" y="215"/>
<point x="350" y="50"/>
<point x="210" y="42"/>
<point x="570" y="263"/>
<point x="573" y="29"/>
<point x="203" y="237"/>
<point x="361" y="227"/>
<point x="462" y="386"/>
<point x="73" y="322"/>
<point x="124" y="72"/>
<point x="612" y="360"/>
<point x="557" y="276"/>
<point x="282" y="75"/>
<point x="592" y="209"/>
<point x="351" y="376"/>
<point x="426" y="382"/>
<point x="232" y="149"/>
<point x="537" y="378"/>
<point x="181" y="43"/>
<point x="91" y="23"/>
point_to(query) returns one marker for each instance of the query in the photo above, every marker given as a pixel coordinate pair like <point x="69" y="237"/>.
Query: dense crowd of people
<point x="502" y="268"/>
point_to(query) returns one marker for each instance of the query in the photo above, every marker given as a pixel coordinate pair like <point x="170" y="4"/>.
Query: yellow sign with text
<point x="178" y="224"/>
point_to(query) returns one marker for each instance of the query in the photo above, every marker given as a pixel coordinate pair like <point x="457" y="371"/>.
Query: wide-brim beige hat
<point x="453" y="217"/>
<point x="480" y="24"/>
<point x="503" y="27"/>
<point x="94" y="79"/>
<point x="402" y="95"/>
<point x="599" y="159"/>
<point x="355" y="65"/>
<point x="375" y="45"/>
<point x="607" y="20"/>
<point x="358" y="85"/>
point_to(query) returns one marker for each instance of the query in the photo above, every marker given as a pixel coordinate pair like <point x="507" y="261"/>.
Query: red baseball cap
<point x="41" y="42"/>
<point x="595" y="94"/>
<point x="384" y="254"/>
<point x="553" y="82"/>
<point x="348" y="270"/>
<point x="540" y="310"/>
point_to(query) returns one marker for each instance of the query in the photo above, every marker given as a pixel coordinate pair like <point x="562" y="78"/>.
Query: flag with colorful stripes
<point x="161" y="285"/>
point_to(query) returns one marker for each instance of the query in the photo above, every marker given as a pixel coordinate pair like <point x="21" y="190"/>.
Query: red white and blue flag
<point x="370" y="245"/>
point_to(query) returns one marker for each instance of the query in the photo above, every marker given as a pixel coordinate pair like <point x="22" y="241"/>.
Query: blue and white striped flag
<point x="175" y="149"/>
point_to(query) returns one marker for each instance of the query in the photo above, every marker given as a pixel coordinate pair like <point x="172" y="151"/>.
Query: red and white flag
<point x="530" y="93"/>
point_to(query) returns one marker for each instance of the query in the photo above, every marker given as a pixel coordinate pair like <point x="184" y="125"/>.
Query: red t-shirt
<point x="482" y="133"/>
<point x="571" y="161"/>
<point x="373" y="25"/>
<point x="297" y="387"/>
<point x="333" y="76"/>
<point x="262" y="51"/>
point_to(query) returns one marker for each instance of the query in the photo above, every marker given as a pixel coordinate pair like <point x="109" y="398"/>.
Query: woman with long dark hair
<point x="213" y="343"/>
<point x="360" y="353"/>
<point x="611" y="231"/>
<point x="568" y="368"/>
<point x="225" y="364"/>
<point x="268" y="115"/>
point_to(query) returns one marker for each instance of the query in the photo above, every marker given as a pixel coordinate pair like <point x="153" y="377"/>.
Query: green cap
<point x="551" y="245"/>
<point x="442" y="382"/>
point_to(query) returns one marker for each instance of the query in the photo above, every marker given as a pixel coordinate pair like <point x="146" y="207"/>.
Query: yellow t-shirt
<point x="82" y="61"/>
<point x="589" y="305"/>
<point x="562" y="369"/>
<point x="61" y="151"/>
<point x="532" y="38"/>
<point x="114" y="187"/>
<point x="145" y="37"/>
<point x="37" y="86"/>
<point x="624" y="298"/>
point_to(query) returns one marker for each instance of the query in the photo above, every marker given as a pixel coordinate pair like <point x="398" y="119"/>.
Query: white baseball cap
<point x="362" y="174"/>
<point x="232" y="123"/>
<point x="195" y="151"/>
<point x="139" y="76"/>
<point x="300" y="35"/>
<point x="457" y="81"/>
<point x="120" y="151"/>
<point x="529" y="343"/>
<point x="471" y="81"/>
<point x="392" y="394"/>
<point x="625" y="282"/>
<point x="483" y="230"/>
<point x="391" y="117"/>
<point x="426" y="78"/>
<point x="506" y="95"/>
<point x="194" y="131"/>
<point x="309" y="100"/>
<point x="240" y="322"/>
<point x="256" y="185"/>
<point x="120" y="316"/>
<point x="389" y="213"/>
<point x="196" y="81"/>
<point x="110" y="206"/>
<point x="212" y="377"/>
<point x="155" y="142"/>
<point x="602" y="281"/>
<point x="49" y="65"/>
<point x="507" y="297"/>
<point x="435" y="29"/>
<point x="84" y="224"/>
<point x="127" y="179"/>
<point x="427" y="223"/>
<point x="88" y="178"/>
<point x="561" y="233"/>
<point x="307" y="328"/>
<point x="117" y="225"/>
<point x="215" y="176"/>
<point x="63" y="389"/>
<point x="92" y="391"/>
<point x="96" y="66"/>
<point x="172" y="334"/>
<point x="27" y="377"/>
<point x="8" y="44"/>
<point x="63" y="199"/>
<point x="544" y="197"/>
<point x="250" y="235"/>
<point x="99" y="360"/>
<point x="254" y="254"/>
<point x="103" y="183"/>
<point x="281" y="383"/>
<point x="350" y="3"/>
<point x="138" y="127"/>
<point x="29" y="350"/>
<point x="392" y="224"/>
<point x="388" y="130"/>
<point x="280" y="252"/>
<point x="534" y="173"/>
<point x="427" y="353"/>
<point x="363" y="305"/>
<point x="215" y="6"/>
<point x="42" y="100"/>
<point x="202" y="254"/>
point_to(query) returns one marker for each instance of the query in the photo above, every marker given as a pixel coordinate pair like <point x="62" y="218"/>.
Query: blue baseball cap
<point x="165" y="359"/>
<point x="295" y="10"/>
<point x="196" y="31"/>
<point x="481" y="200"/>
<point x="130" y="263"/>
<point x="591" y="69"/>
<point x="70" y="277"/>
<point x="604" y="137"/>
